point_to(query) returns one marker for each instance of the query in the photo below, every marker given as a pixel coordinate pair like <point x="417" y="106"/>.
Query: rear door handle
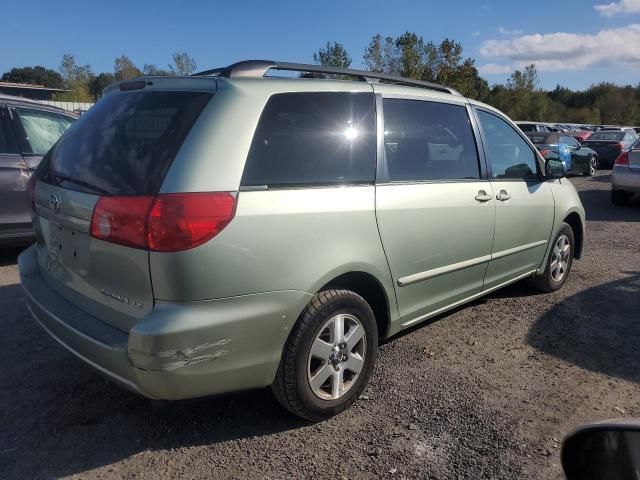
<point x="503" y="196"/>
<point x="483" y="196"/>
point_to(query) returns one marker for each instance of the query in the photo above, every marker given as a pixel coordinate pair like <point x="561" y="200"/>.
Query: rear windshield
<point x="607" y="136"/>
<point x="125" y="143"/>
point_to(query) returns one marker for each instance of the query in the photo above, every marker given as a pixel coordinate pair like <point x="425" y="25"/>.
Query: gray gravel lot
<point x="483" y="392"/>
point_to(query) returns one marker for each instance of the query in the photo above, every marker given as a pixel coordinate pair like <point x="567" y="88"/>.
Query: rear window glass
<point x="318" y="138"/>
<point x="607" y="136"/>
<point x="125" y="143"/>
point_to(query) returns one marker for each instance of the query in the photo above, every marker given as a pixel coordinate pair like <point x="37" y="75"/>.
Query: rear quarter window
<point x="314" y="138"/>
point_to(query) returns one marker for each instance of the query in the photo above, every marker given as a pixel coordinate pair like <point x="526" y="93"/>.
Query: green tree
<point x="36" y="75"/>
<point x="76" y="79"/>
<point x="381" y="55"/>
<point x="125" y="69"/>
<point x="183" y="64"/>
<point x="332" y="55"/>
<point x="152" y="70"/>
<point x="100" y="82"/>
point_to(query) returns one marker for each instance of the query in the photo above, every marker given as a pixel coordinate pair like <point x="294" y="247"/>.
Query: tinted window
<point x="609" y="136"/>
<point x="428" y="141"/>
<point x="508" y="154"/>
<point x="314" y="138"/>
<point x="125" y="143"/>
<point x="43" y="129"/>
<point x="7" y="137"/>
<point x="567" y="140"/>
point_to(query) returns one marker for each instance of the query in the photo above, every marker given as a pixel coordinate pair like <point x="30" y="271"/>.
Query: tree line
<point x="407" y="55"/>
<point x="83" y="85"/>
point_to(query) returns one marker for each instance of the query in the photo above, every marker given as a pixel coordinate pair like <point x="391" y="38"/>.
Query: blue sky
<point x="573" y="42"/>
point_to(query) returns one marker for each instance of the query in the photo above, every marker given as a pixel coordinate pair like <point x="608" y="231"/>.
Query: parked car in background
<point x="609" y="144"/>
<point x="618" y="129"/>
<point x="225" y="231"/>
<point x="577" y="160"/>
<point x="532" y="127"/>
<point x="580" y="135"/>
<point x="625" y="176"/>
<point x="27" y="130"/>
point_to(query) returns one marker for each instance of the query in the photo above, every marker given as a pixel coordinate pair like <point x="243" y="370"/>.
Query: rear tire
<point x="322" y="344"/>
<point x="618" y="197"/>
<point x="559" y="262"/>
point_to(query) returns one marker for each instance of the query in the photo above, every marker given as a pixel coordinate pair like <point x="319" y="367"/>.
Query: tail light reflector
<point x="162" y="223"/>
<point x="622" y="160"/>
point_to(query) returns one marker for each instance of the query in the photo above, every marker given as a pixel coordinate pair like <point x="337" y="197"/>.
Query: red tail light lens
<point x="122" y="220"/>
<point x="183" y="221"/>
<point x="164" y="223"/>
<point x="620" y="146"/>
<point x="31" y="192"/>
<point x="545" y="152"/>
<point x="622" y="160"/>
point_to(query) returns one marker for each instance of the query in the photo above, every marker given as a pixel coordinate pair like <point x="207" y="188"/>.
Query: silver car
<point x="230" y="231"/>
<point x="625" y="175"/>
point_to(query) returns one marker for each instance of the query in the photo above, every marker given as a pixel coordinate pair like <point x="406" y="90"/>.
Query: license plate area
<point x="68" y="246"/>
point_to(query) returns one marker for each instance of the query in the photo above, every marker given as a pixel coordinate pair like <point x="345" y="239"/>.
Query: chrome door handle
<point x="503" y="196"/>
<point x="483" y="196"/>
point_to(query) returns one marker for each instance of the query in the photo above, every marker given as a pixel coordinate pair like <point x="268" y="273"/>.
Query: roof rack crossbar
<point x="259" y="68"/>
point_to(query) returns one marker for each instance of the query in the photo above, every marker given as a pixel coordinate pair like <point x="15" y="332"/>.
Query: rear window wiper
<point x="63" y="178"/>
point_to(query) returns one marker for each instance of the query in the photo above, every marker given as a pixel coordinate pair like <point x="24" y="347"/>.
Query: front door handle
<point x="503" y="196"/>
<point x="483" y="196"/>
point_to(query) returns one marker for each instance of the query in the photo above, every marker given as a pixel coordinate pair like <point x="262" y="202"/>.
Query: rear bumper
<point x="179" y="350"/>
<point x="624" y="179"/>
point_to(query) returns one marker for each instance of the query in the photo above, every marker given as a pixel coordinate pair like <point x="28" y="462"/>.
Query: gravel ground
<point x="483" y="392"/>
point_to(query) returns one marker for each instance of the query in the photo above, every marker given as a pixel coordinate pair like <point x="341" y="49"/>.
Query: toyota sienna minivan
<point x="234" y="230"/>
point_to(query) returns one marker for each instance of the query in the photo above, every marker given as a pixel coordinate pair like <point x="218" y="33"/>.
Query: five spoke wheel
<point x="560" y="258"/>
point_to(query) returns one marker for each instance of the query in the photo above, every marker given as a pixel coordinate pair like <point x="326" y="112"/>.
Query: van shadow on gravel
<point x="59" y="417"/>
<point x="597" y="329"/>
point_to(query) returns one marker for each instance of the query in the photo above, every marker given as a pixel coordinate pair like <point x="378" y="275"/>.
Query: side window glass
<point x="508" y="154"/>
<point x="7" y="138"/>
<point x="428" y="141"/>
<point x="566" y="140"/>
<point x="43" y="129"/>
<point x="321" y="138"/>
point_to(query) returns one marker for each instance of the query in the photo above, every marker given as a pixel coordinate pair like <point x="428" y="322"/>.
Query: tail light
<point x="31" y="192"/>
<point x="622" y="160"/>
<point x="619" y="146"/>
<point x="162" y="223"/>
<point x="545" y="152"/>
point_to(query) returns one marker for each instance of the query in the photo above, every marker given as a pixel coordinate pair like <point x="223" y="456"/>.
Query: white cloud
<point x="568" y="51"/>
<point x="506" y="31"/>
<point x="615" y="8"/>
<point x="475" y="34"/>
<point x="494" y="69"/>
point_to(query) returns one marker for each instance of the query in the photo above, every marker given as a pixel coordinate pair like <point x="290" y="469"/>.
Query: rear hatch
<point x="607" y="145"/>
<point x="121" y="149"/>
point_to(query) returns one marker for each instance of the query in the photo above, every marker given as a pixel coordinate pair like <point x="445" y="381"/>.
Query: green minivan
<point x="235" y="230"/>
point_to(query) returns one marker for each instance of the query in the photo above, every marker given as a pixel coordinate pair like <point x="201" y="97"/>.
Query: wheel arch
<point x="575" y="222"/>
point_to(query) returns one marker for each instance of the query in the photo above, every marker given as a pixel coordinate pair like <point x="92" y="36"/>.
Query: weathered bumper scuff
<point x="179" y="350"/>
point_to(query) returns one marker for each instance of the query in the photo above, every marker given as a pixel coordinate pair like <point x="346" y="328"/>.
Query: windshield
<point x="125" y="144"/>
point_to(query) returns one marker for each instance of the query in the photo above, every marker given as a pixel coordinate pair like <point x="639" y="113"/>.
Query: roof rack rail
<point x="259" y="68"/>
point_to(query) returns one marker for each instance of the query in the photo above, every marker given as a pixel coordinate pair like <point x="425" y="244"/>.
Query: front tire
<point x="559" y="262"/>
<point x="593" y="166"/>
<point x="329" y="356"/>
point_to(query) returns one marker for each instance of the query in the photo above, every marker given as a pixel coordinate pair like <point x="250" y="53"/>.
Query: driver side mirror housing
<point x="555" y="169"/>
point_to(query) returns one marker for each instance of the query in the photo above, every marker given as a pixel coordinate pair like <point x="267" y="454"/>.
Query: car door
<point x="434" y="205"/>
<point x="15" y="216"/>
<point x="37" y="131"/>
<point x="578" y="157"/>
<point x="524" y="201"/>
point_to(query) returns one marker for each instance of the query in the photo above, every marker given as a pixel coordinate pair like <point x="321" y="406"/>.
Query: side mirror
<point x="604" y="450"/>
<point x="555" y="169"/>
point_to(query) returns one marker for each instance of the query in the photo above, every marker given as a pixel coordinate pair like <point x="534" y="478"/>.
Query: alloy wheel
<point x="560" y="258"/>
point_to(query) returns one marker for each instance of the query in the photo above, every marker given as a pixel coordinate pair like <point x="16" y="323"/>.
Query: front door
<point x="524" y="202"/>
<point x="435" y="208"/>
